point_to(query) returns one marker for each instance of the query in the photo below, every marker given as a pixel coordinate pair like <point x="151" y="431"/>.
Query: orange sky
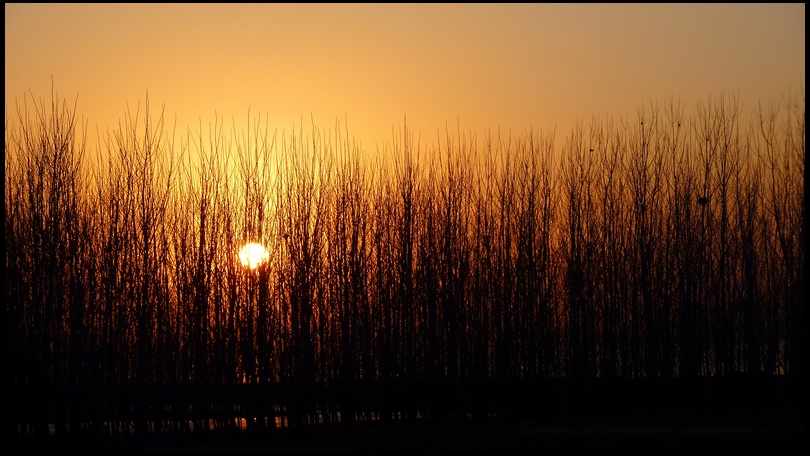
<point x="481" y="66"/>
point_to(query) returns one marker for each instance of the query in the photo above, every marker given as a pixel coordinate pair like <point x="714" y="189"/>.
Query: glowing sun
<point x="253" y="255"/>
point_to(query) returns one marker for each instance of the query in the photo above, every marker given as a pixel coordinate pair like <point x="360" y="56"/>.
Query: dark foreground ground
<point x="528" y="440"/>
<point x="519" y="437"/>
<point x="522" y="439"/>
<point x="686" y="431"/>
<point x="721" y="417"/>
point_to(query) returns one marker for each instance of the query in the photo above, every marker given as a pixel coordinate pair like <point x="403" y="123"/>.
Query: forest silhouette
<point x="642" y="260"/>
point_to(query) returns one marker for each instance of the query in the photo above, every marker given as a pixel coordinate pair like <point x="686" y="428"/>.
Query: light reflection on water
<point x="279" y="421"/>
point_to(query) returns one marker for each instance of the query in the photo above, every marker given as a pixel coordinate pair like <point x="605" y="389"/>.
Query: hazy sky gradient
<point x="483" y="66"/>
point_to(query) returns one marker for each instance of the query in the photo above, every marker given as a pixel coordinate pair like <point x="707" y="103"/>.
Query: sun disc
<point x="253" y="255"/>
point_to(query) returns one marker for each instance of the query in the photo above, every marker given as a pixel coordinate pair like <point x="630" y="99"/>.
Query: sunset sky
<point x="478" y="66"/>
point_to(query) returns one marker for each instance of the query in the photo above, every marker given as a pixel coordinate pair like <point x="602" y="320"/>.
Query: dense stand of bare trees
<point x="662" y="246"/>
